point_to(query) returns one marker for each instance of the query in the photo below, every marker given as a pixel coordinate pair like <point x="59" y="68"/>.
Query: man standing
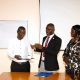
<point x="49" y="49"/>
<point x="20" y="52"/>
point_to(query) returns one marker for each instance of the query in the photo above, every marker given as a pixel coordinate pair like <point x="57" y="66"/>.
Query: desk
<point x="30" y="76"/>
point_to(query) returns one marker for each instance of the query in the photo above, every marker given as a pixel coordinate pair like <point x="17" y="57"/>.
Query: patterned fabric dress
<point x="75" y="53"/>
<point x="72" y="51"/>
<point x="68" y="54"/>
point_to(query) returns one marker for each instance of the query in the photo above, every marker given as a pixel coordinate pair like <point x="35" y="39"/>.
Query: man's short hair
<point x="51" y="25"/>
<point x="21" y="27"/>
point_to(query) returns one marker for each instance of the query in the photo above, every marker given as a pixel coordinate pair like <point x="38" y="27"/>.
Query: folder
<point x="43" y="74"/>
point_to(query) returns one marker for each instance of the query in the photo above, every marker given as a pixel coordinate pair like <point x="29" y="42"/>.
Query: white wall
<point x="63" y="14"/>
<point x="22" y="10"/>
<point x="27" y="10"/>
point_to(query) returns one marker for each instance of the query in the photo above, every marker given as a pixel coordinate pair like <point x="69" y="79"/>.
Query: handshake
<point x="36" y="45"/>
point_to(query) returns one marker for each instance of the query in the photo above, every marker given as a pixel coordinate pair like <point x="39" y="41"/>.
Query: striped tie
<point x="46" y="43"/>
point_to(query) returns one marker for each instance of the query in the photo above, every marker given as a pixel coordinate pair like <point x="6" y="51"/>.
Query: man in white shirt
<point x="20" y="52"/>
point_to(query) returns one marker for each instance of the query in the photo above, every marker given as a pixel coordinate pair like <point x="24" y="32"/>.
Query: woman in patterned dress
<point x="76" y="58"/>
<point x="68" y="55"/>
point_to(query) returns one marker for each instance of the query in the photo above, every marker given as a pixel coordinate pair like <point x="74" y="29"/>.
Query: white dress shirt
<point x="20" y="47"/>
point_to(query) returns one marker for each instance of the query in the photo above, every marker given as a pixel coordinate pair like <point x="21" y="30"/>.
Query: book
<point x="43" y="74"/>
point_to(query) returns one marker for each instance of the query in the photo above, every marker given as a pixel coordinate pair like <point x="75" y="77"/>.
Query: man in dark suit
<point x="49" y="53"/>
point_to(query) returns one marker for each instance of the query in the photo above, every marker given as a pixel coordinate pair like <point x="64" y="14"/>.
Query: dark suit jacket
<point x="51" y="62"/>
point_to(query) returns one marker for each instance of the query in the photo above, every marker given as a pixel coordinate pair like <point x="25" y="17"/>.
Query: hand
<point x="39" y="46"/>
<point x="18" y="57"/>
<point x="66" y="60"/>
<point x="32" y="46"/>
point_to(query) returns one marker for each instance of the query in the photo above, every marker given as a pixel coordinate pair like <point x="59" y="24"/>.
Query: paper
<point x="26" y="58"/>
<point x="43" y="74"/>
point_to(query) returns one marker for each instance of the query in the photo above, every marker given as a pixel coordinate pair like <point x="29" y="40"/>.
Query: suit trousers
<point x="42" y="68"/>
<point x="20" y="67"/>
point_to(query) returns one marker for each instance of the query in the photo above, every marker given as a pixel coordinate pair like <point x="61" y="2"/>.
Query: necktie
<point x="46" y="44"/>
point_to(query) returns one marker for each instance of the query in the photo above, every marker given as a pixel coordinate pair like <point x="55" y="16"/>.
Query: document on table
<point x="43" y="74"/>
